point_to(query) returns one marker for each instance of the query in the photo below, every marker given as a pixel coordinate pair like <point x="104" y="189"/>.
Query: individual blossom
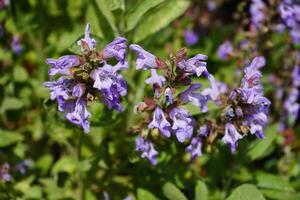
<point x="231" y="136"/>
<point x="197" y="99"/>
<point x="182" y="124"/>
<point x="22" y="166"/>
<point x="225" y="50"/>
<point x="190" y="37"/>
<point x="16" y="45"/>
<point x="159" y="121"/>
<point x="257" y="12"/>
<point x="86" y="77"/>
<point x="194" y="148"/>
<point x="145" y="60"/>
<point x="155" y="79"/>
<point x="147" y="149"/>
<point x="290" y="14"/>
<point x="4" y="172"/>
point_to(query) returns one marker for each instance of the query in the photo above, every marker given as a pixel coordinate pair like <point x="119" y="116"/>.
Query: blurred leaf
<point x="201" y="192"/>
<point x="280" y="195"/>
<point x="9" y="137"/>
<point x="259" y="148"/>
<point x="65" y="164"/>
<point x="116" y="4"/>
<point x="160" y="18"/>
<point x="171" y="192"/>
<point x="270" y="181"/>
<point x="44" y="163"/>
<point x="136" y="13"/>
<point x="20" y="74"/>
<point x="11" y="103"/>
<point x="92" y="18"/>
<point x="246" y="192"/>
<point x="143" y="194"/>
<point x="103" y="5"/>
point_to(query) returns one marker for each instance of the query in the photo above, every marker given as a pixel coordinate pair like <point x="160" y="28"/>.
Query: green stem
<point x="79" y="174"/>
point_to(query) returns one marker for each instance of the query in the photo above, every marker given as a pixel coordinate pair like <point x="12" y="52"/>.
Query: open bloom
<point x="147" y="148"/>
<point x="145" y="60"/>
<point x="231" y="136"/>
<point x="197" y="99"/>
<point x="159" y="121"/>
<point x="182" y="124"/>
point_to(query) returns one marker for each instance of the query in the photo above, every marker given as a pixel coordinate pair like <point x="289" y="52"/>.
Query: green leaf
<point x="116" y="4"/>
<point x="259" y="148"/>
<point x="279" y="195"/>
<point x="143" y="194"/>
<point x="9" y="137"/>
<point x="136" y="13"/>
<point x="66" y="164"/>
<point x="20" y="74"/>
<point x="246" y="192"/>
<point x="11" y="103"/>
<point x="201" y="192"/>
<point x="171" y="192"/>
<point x="103" y="5"/>
<point x="270" y="181"/>
<point x="160" y="18"/>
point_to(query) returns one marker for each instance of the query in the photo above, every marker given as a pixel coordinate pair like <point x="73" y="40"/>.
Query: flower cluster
<point x="290" y="13"/>
<point x="167" y="112"/>
<point x="257" y="12"/>
<point x="247" y="108"/>
<point x="85" y="77"/>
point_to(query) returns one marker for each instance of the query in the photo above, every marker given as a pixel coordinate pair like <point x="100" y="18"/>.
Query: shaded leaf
<point x="160" y="18"/>
<point x="143" y="194"/>
<point x="246" y="192"/>
<point x="171" y="192"/>
<point x="9" y="137"/>
<point x="201" y="192"/>
<point x="270" y="181"/>
<point x="135" y="14"/>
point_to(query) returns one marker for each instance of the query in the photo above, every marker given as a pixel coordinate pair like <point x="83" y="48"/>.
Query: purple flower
<point x="225" y="50"/>
<point x="231" y="136"/>
<point x="197" y="99"/>
<point x="169" y="96"/>
<point x="190" y="37"/>
<point x="4" y="3"/>
<point x="296" y="76"/>
<point x="290" y="14"/>
<point x="147" y="148"/>
<point x="117" y="49"/>
<point x="155" y="79"/>
<point x="204" y="131"/>
<point x="62" y="65"/>
<point x="212" y="92"/>
<point x="257" y="12"/>
<point x="159" y="121"/>
<point x="78" y="114"/>
<point x="145" y="60"/>
<point x="291" y="105"/>
<point x="78" y="90"/>
<point x="4" y="172"/>
<point x="16" y="45"/>
<point x="195" y="65"/>
<point x="87" y="41"/>
<point x="194" y="149"/>
<point x="23" y="166"/>
<point x="182" y="124"/>
<point x="59" y="88"/>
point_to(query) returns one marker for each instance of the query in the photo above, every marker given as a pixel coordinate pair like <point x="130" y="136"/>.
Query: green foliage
<point x="246" y="192"/>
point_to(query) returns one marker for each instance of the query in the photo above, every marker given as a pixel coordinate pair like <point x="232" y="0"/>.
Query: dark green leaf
<point x="160" y="18"/>
<point x="171" y="192"/>
<point x="9" y="137"/>
<point x="246" y="192"/>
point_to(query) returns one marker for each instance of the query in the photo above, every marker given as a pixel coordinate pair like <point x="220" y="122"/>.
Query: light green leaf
<point x="65" y="164"/>
<point x="20" y="74"/>
<point x="259" y="148"/>
<point x="143" y="194"/>
<point x="9" y="137"/>
<point x="246" y="192"/>
<point x="11" y="103"/>
<point x="116" y="4"/>
<point x="270" y="181"/>
<point x="136" y="13"/>
<point x="171" y="192"/>
<point x="279" y="195"/>
<point x="201" y="192"/>
<point x="160" y="18"/>
<point x="103" y="5"/>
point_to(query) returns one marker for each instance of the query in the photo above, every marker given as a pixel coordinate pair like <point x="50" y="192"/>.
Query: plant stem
<point x="79" y="174"/>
